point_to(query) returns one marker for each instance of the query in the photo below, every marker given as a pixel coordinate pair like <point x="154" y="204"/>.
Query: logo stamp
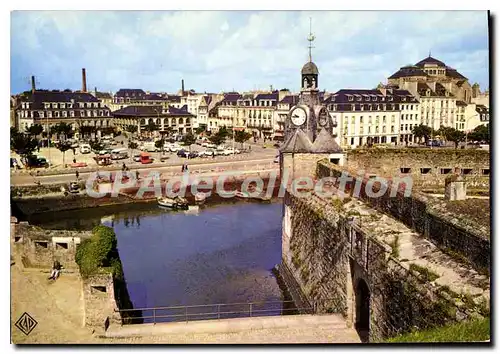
<point x="26" y="323"/>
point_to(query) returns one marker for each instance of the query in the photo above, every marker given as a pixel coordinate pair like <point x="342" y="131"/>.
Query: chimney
<point x="84" y="81"/>
<point x="33" y="87"/>
<point x="182" y="87"/>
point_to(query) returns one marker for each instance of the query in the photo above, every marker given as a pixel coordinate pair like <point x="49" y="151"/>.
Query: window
<point x="41" y="114"/>
<point x="383" y="119"/>
<point x="405" y="170"/>
<point x="406" y="126"/>
<point x="350" y="98"/>
<point x="89" y="113"/>
<point x="98" y="289"/>
<point x="41" y="244"/>
<point x="61" y="245"/>
<point x="361" y="119"/>
<point x="383" y="129"/>
<point x="369" y="119"/>
<point x="71" y="113"/>
<point x="425" y="170"/>
<point x="392" y="128"/>
<point x="393" y="119"/>
<point x="65" y="114"/>
<point x="353" y="120"/>
<point x="466" y="171"/>
<point x="376" y="120"/>
<point x="54" y="105"/>
<point x="445" y="171"/>
<point x="63" y="105"/>
<point x="49" y="114"/>
<point x="369" y="129"/>
<point x="352" y="141"/>
<point x="82" y="113"/>
<point x="485" y="171"/>
<point x="402" y="127"/>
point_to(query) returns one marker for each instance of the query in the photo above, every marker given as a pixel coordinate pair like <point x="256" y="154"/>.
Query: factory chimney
<point x="84" y="81"/>
<point x="33" y="87"/>
<point x="182" y="87"/>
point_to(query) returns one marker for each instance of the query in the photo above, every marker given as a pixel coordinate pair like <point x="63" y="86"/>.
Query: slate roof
<point x="139" y="111"/>
<point x="325" y="143"/>
<point x="267" y="96"/>
<point x="103" y="95"/>
<point x="40" y="96"/>
<point x="461" y="103"/>
<point x="231" y="97"/>
<point x="297" y="142"/>
<point x="292" y="100"/>
<point x="130" y="93"/>
<point x="310" y="68"/>
<point x="183" y="111"/>
<point x="430" y="60"/>
<point x="454" y="74"/>
<point x="408" y="71"/>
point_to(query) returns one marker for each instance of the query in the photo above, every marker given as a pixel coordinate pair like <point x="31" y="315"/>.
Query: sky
<point x="216" y="51"/>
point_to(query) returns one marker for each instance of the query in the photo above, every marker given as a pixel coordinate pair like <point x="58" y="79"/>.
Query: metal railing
<point x="211" y="311"/>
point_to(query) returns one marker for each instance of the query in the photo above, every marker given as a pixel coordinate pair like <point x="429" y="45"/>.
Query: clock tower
<point x="308" y="127"/>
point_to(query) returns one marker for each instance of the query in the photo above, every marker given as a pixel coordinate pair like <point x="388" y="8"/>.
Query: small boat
<point x="200" y="197"/>
<point x="175" y="203"/>
<point x="240" y="194"/>
<point x="192" y="210"/>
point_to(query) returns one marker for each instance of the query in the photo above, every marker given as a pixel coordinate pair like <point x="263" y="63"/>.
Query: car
<point x="434" y="143"/>
<point x="182" y="153"/>
<point x="37" y="161"/>
<point x="193" y="154"/>
<point x="230" y="151"/>
<point x="211" y="146"/>
<point x="175" y="148"/>
<point x="137" y="158"/>
<point x="85" y="149"/>
<point x="206" y="153"/>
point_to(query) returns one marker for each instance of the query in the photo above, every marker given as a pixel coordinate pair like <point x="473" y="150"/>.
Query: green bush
<point x="99" y="251"/>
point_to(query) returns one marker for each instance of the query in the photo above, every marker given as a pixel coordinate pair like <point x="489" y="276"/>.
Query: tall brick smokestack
<point x="84" y="81"/>
<point x="33" y="86"/>
<point x="182" y="87"/>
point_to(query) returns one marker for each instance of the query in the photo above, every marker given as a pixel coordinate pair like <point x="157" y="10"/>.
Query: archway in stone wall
<point x="362" y="294"/>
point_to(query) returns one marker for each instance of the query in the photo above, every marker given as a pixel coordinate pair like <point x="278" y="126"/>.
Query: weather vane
<point x="310" y="38"/>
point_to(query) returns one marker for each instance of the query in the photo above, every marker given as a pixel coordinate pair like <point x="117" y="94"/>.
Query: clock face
<point x="298" y="116"/>
<point x="323" y="117"/>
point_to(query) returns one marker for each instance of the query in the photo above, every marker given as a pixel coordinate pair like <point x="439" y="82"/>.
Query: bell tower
<point x="309" y="92"/>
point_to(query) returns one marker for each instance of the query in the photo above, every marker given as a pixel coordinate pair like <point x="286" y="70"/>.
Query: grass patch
<point x="428" y="274"/>
<point x="395" y="246"/>
<point x="469" y="331"/>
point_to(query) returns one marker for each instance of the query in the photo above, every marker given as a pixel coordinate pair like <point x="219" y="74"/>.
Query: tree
<point x="159" y="144"/>
<point x="480" y="133"/>
<point x="188" y="139"/>
<point x="96" y="146"/>
<point x="200" y="129"/>
<point x="23" y="144"/>
<point x="87" y="130"/>
<point x="240" y="136"/>
<point x="34" y="130"/>
<point x="217" y="138"/>
<point x="132" y="145"/>
<point x="422" y="131"/>
<point x="62" y="129"/>
<point x="64" y="146"/>
<point x="131" y="129"/>
<point x="151" y="127"/>
<point x="452" y="134"/>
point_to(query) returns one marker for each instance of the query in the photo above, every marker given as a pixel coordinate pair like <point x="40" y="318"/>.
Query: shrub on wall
<point x="98" y="251"/>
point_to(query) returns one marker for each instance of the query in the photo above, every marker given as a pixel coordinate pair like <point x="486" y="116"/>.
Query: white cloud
<point x="216" y="50"/>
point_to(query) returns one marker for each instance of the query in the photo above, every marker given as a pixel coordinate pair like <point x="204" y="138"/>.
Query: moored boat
<point x="200" y="198"/>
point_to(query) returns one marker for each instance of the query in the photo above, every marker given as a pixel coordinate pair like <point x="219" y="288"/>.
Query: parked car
<point x="85" y="149"/>
<point x="231" y="151"/>
<point x="206" y="153"/>
<point x="434" y="143"/>
<point x="182" y="153"/>
<point x="137" y="158"/>
<point x="37" y="161"/>
<point x="118" y="154"/>
<point x="193" y="154"/>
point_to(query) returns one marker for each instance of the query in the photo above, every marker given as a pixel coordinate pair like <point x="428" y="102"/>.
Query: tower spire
<point x="310" y="38"/>
<point x="429" y="53"/>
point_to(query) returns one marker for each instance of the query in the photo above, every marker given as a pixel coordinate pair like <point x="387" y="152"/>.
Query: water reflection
<point x="222" y="254"/>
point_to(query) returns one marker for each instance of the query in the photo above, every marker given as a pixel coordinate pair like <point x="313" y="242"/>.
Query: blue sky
<point x="241" y="50"/>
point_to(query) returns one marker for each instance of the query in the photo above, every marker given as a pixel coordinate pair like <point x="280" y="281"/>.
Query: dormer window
<point x="403" y="99"/>
<point x="63" y="105"/>
<point x="350" y="98"/>
<point x="41" y="114"/>
<point x="54" y="105"/>
<point x="374" y="98"/>
<point x="358" y="98"/>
